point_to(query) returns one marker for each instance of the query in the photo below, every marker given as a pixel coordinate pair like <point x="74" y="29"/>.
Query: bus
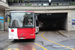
<point x="23" y="25"/>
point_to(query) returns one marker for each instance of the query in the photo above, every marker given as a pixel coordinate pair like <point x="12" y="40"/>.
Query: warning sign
<point x="73" y="21"/>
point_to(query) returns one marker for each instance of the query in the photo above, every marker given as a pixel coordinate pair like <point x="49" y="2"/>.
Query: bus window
<point x="37" y="23"/>
<point x="21" y="20"/>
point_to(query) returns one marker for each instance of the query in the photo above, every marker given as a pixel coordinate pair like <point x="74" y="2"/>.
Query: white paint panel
<point x="37" y="29"/>
<point x="13" y="35"/>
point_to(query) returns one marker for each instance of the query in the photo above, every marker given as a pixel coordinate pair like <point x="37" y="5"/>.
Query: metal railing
<point x="43" y="4"/>
<point x="62" y="3"/>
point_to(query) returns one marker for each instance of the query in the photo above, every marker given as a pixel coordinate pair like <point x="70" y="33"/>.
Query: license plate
<point x="21" y="38"/>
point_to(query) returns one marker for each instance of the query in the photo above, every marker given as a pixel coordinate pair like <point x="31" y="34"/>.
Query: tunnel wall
<point x="62" y="23"/>
<point x="66" y="23"/>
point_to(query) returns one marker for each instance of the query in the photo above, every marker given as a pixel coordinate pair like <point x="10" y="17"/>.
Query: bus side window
<point x="37" y="23"/>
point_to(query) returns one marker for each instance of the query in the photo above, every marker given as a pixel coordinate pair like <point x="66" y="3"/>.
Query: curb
<point x="7" y="44"/>
<point x="4" y="46"/>
<point x="63" y="34"/>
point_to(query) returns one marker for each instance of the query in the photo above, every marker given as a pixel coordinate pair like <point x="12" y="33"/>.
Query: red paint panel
<point x="25" y="33"/>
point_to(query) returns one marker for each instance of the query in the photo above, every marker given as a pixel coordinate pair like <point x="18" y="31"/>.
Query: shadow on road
<point x="23" y="40"/>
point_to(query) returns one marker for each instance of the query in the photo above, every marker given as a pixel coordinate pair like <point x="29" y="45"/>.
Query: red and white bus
<point x="22" y="25"/>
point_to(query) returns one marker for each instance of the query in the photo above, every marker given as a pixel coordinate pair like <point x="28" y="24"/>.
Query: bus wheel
<point x="33" y="39"/>
<point x="15" y="39"/>
<point x="36" y="33"/>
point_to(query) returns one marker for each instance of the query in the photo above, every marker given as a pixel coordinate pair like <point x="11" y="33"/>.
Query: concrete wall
<point x="1" y="11"/>
<point x="68" y="22"/>
<point x="72" y="17"/>
<point x="4" y="1"/>
<point x="34" y="8"/>
<point x="3" y="5"/>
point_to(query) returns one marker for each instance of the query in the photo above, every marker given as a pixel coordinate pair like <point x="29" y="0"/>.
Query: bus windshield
<point x="21" y="20"/>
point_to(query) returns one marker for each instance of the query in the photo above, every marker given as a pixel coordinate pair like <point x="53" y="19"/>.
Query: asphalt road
<point x="45" y="40"/>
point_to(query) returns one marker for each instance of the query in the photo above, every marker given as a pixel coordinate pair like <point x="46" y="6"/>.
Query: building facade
<point x="3" y="6"/>
<point x="45" y="6"/>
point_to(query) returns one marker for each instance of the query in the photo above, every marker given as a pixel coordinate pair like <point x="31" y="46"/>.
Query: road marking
<point x="37" y="35"/>
<point x="13" y="49"/>
<point x="33" y="49"/>
<point x="40" y="46"/>
<point x="55" y="42"/>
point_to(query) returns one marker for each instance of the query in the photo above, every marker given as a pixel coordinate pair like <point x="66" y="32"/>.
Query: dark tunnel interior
<point x="52" y="21"/>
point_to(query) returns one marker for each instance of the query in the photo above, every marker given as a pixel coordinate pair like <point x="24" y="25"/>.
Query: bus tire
<point x="33" y="39"/>
<point x="16" y="39"/>
<point x="37" y="33"/>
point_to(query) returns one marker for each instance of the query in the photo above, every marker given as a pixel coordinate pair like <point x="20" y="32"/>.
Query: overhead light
<point x="49" y="14"/>
<point x="37" y="14"/>
<point x="39" y="4"/>
<point x="45" y="4"/>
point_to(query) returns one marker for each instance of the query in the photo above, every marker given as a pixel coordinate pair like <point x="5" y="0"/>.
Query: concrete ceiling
<point x="3" y="6"/>
<point x="51" y="16"/>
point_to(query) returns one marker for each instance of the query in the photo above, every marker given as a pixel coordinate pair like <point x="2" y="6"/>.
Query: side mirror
<point x="9" y="15"/>
<point x="7" y="18"/>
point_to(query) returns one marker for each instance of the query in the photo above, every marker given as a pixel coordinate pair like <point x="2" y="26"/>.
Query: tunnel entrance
<point x="52" y="21"/>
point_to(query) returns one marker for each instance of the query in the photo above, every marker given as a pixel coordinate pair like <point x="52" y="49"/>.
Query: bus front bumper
<point x="24" y="37"/>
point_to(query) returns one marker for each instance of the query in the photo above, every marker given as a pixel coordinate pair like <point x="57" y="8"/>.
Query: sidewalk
<point x="3" y="39"/>
<point x="3" y="32"/>
<point x="69" y="34"/>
